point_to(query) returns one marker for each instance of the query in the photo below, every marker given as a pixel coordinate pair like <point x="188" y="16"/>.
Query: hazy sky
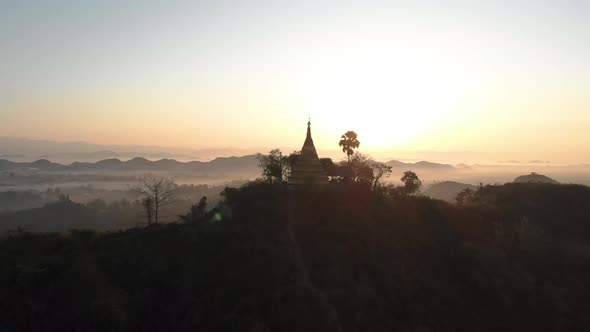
<point x="504" y="79"/>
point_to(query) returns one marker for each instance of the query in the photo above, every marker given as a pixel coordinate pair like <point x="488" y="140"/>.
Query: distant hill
<point x="447" y="190"/>
<point x="61" y="216"/>
<point x="224" y="164"/>
<point x="22" y="149"/>
<point x="534" y="178"/>
<point x="462" y="166"/>
<point x="247" y="163"/>
<point x="55" y="217"/>
<point x="421" y="165"/>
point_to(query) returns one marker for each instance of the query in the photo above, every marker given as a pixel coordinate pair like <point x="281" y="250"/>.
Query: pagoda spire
<point x="307" y="168"/>
<point x="308" y="146"/>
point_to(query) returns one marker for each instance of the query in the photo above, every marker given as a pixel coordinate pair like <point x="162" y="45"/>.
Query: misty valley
<point x="101" y="190"/>
<point x="274" y="242"/>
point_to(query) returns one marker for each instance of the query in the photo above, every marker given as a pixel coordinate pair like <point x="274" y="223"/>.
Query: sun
<point x="388" y="96"/>
<point x="384" y="113"/>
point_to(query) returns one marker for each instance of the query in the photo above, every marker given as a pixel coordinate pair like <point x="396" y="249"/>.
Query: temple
<point x="307" y="168"/>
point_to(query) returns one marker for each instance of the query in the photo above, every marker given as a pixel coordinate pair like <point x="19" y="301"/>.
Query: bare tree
<point x="156" y="192"/>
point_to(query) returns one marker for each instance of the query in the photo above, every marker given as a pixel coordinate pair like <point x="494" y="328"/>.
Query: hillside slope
<point x="368" y="262"/>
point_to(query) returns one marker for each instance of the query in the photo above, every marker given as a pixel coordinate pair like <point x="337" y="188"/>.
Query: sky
<point x="494" y="80"/>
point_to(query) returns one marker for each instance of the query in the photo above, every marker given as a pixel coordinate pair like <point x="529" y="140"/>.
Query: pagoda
<point x="307" y="168"/>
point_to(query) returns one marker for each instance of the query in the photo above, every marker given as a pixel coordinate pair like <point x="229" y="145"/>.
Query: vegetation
<point x="114" y="210"/>
<point x="156" y="192"/>
<point x="411" y="182"/>
<point x="197" y="212"/>
<point x="353" y="255"/>
<point x="348" y="142"/>
<point x="359" y="168"/>
<point x="346" y="258"/>
<point x="465" y="196"/>
<point x="535" y="178"/>
<point x="274" y="166"/>
<point x="380" y="171"/>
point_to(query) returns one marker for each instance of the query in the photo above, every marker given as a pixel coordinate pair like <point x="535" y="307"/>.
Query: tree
<point x="411" y="182"/>
<point x="348" y="142"/>
<point x="380" y="170"/>
<point x="464" y="196"/>
<point x="328" y="166"/>
<point x="357" y="169"/>
<point x="197" y="211"/>
<point x="274" y="166"/>
<point x="290" y="162"/>
<point x="157" y="192"/>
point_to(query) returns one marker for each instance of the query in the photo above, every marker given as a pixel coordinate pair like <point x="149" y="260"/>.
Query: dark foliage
<point x="342" y="258"/>
<point x="275" y="166"/>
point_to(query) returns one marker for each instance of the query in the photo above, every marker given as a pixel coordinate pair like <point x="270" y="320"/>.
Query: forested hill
<point x="535" y="178"/>
<point x="341" y="259"/>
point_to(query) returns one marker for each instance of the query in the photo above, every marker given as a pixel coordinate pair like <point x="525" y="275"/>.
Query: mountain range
<point x="244" y="164"/>
<point x="396" y="164"/>
<point x="22" y="149"/>
<point x="222" y="164"/>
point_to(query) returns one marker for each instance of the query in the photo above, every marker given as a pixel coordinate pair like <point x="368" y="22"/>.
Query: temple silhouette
<point x="307" y="168"/>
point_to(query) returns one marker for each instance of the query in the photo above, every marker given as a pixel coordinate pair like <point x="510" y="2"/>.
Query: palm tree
<point x="348" y="142"/>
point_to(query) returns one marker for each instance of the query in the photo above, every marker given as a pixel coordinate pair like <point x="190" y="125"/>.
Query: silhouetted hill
<point x="534" y="178"/>
<point x="112" y="163"/>
<point x="7" y="164"/>
<point x="421" y="165"/>
<point x="446" y="190"/>
<point x="62" y="216"/>
<point x="558" y="211"/>
<point x="340" y="259"/>
<point x="68" y="214"/>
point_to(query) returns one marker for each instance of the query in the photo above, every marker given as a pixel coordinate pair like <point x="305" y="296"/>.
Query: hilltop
<point x="342" y="259"/>
<point x="534" y="178"/>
